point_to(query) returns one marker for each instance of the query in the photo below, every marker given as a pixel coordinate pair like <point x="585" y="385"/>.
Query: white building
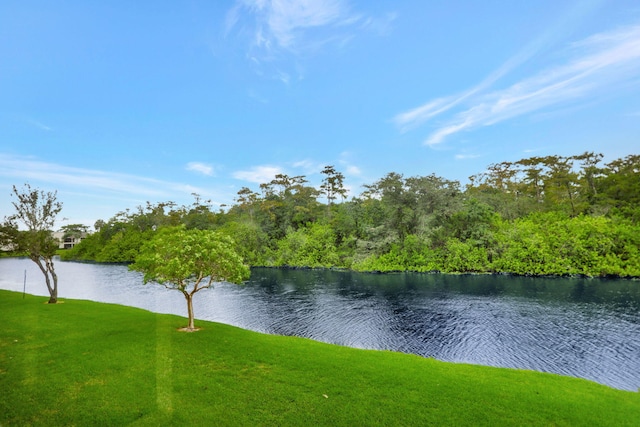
<point x="67" y="242"/>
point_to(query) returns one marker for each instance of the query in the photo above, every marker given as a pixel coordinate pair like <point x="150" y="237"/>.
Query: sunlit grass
<point x="84" y="363"/>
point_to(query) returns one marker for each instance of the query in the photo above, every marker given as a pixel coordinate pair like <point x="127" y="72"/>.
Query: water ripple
<point x="577" y="327"/>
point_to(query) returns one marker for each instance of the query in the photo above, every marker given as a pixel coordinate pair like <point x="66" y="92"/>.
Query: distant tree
<point x="533" y="181"/>
<point x="473" y="223"/>
<point x="189" y="260"/>
<point x="413" y="204"/>
<point x="36" y="211"/>
<point x="286" y="202"/>
<point x="99" y="224"/>
<point x="74" y="230"/>
<point x="333" y="184"/>
<point x="7" y="236"/>
<point x="590" y="172"/>
<point x="398" y="204"/>
<point x="511" y="189"/>
<point x="561" y="186"/>
<point x="620" y="187"/>
<point x="199" y="214"/>
<point x="247" y="200"/>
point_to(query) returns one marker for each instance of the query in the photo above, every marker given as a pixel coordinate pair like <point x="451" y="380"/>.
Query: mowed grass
<point x="84" y="363"/>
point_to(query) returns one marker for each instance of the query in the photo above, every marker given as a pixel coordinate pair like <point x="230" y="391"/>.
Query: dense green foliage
<point x="82" y="363"/>
<point x="189" y="261"/>
<point x="542" y="216"/>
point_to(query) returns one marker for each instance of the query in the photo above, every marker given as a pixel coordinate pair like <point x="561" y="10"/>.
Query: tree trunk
<point x="569" y="193"/>
<point x="53" y="291"/>
<point x="189" y="298"/>
<point x="49" y="273"/>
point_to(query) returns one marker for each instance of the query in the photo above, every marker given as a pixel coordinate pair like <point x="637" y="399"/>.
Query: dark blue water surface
<point x="587" y="328"/>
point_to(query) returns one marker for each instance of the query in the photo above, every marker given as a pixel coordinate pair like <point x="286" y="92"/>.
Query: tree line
<point x="550" y="215"/>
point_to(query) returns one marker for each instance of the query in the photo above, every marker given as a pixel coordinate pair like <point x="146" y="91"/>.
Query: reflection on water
<point x="580" y="327"/>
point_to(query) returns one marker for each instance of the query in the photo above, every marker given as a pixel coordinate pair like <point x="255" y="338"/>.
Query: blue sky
<point x="117" y="103"/>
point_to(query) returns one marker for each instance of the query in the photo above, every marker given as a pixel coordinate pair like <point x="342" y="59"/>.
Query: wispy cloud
<point x="381" y="25"/>
<point x="39" y="125"/>
<point x="596" y="65"/>
<point x="349" y="168"/>
<point x="281" y="31"/>
<point x="281" y="24"/>
<point x="417" y="116"/>
<point x="353" y="170"/>
<point x="308" y="166"/>
<point x="34" y="170"/>
<point x="201" y="168"/>
<point x="466" y="156"/>
<point x="258" y="174"/>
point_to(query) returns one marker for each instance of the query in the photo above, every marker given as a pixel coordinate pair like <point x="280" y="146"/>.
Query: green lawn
<point x="84" y="363"/>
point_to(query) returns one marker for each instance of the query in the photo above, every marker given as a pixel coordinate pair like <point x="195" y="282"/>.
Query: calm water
<point x="579" y="327"/>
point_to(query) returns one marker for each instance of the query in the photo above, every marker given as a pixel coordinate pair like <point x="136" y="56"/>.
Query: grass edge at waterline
<point x="87" y="363"/>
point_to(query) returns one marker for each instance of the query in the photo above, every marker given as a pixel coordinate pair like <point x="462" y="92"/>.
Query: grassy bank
<point x="85" y="363"/>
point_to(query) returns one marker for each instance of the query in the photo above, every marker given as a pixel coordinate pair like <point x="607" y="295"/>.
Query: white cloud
<point x="308" y="166"/>
<point x="305" y="164"/>
<point x="282" y="23"/>
<point x="202" y="168"/>
<point x="466" y="156"/>
<point x="597" y="65"/>
<point x="438" y="136"/>
<point x="280" y="33"/>
<point x="286" y="17"/>
<point x="266" y="173"/>
<point x="353" y="170"/>
<point x="258" y="174"/>
<point x="349" y="168"/>
<point x="89" y="194"/>
<point x="417" y="116"/>
<point x="30" y="169"/>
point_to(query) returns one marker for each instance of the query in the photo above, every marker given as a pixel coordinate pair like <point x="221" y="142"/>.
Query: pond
<point x="587" y="328"/>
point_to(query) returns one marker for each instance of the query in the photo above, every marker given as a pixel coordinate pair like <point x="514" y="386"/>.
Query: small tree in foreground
<point x="189" y="261"/>
<point x="37" y="211"/>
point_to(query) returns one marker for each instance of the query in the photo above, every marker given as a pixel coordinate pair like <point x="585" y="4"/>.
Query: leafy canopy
<point x="179" y="258"/>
